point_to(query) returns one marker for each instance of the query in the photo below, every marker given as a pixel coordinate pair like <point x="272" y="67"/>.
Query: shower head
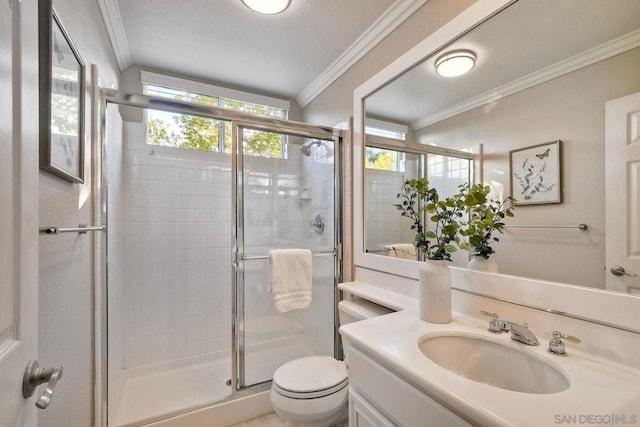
<point x="306" y="147"/>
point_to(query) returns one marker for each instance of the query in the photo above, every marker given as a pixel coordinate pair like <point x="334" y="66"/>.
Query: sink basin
<point x="493" y="363"/>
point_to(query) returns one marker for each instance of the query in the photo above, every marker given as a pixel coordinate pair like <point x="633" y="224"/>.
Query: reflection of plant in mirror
<point x="485" y="216"/>
<point x="417" y="201"/>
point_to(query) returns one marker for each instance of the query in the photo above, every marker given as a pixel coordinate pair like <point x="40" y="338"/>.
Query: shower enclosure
<point x="190" y="319"/>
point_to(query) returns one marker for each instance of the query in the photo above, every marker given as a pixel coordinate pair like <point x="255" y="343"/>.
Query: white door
<point x="623" y="193"/>
<point x="18" y="206"/>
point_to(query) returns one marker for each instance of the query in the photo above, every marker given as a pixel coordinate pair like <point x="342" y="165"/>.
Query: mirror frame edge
<point x="597" y="305"/>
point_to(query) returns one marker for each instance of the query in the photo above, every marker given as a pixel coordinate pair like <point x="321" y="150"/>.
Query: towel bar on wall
<point x="583" y="227"/>
<point x="82" y="229"/>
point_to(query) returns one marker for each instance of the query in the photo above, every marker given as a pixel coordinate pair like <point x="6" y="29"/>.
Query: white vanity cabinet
<point x="364" y="414"/>
<point x="379" y="398"/>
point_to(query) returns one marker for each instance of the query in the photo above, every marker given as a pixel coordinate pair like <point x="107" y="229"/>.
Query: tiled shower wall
<point x="384" y="225"/>
<point x="318" y="176"/>
<point x="177" y="245"/>
<point x="177" y="241"/>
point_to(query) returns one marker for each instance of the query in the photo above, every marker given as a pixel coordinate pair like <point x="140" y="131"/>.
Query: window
<point x="447" y="173"/>
<point x="382" y="159"/>
<point x="386" y="129"/>
<point x="200" y="133"/>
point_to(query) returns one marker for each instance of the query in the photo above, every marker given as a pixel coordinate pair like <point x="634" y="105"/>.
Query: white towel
<point x="401" y="250"/>
<point x="291" y="278"/>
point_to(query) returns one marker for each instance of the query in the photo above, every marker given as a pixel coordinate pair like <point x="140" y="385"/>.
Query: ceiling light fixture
<point x="267" y="7"/>
<point x="455" y="63"/>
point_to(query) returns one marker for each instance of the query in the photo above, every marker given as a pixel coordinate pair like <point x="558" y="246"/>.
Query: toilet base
<point x="326" y="411"/>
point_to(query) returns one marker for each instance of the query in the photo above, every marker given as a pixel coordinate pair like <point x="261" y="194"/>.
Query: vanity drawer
<point x="395" y="398"/>
<point x="364" y="414"/>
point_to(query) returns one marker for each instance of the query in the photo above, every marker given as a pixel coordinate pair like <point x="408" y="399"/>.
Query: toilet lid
<point x="310" y="374"/>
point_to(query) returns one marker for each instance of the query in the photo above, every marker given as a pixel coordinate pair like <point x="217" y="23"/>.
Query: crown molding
<point x="599" y="53"/>
<point x="115" y="29"/>
<point x="395" y="15"/>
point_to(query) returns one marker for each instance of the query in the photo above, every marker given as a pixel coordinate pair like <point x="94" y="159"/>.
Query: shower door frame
<point x="237" y="166"/>
<point x="237" y="119"/>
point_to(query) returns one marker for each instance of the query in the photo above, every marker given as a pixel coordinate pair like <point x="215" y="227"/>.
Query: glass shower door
<point x="286" y="199"/>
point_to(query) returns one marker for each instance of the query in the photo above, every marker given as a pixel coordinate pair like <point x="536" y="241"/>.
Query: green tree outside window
<point x="201" y="133"/>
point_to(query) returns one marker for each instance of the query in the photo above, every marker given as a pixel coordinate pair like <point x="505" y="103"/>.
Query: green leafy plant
<point x="419" y="201"/>
<point x="485" y="216"/>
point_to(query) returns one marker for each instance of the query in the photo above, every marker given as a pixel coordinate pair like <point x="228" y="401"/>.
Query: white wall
<point x="66" y="261"/>
<point x="569" y="108"/>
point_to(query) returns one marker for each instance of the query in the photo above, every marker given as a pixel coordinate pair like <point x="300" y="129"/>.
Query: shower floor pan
<point x="152" y="392"/>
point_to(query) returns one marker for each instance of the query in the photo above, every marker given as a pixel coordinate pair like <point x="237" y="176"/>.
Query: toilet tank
<point x="355" y="309"/>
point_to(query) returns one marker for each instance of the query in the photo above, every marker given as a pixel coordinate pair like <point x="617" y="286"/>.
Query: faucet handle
<point x="570" y="338"/>
<point x="556" y="345"/>
<point x="486" y="313"/>
<point x="494" y="323"/>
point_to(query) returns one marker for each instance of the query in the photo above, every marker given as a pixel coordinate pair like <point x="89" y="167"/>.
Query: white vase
<point x="480" y="263"/>
<point x="435" y="292"/>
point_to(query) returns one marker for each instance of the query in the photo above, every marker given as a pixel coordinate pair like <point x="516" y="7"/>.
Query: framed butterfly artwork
<point x="536" y="175"/>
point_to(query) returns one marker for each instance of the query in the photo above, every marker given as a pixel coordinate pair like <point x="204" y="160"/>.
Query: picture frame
<point x="62" y="98"/>
<point x="536" y="174"/>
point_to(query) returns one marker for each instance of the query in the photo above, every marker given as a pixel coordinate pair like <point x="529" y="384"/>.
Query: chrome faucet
<point x="520" y="333"/>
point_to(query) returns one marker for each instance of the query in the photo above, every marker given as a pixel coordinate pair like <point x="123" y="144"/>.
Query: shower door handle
<point x="34" y="375"/>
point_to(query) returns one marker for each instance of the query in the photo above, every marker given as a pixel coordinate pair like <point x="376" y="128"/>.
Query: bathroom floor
<point x="151" y="392"/>
<point x="269" y="420"/>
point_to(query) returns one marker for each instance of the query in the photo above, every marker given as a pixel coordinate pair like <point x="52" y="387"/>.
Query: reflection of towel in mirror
<point x="401" y="250"/>
<point x="291" y="278"/>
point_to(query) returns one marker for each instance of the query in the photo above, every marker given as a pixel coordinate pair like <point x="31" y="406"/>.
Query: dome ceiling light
<point x="455" y="63"/>
<point x="267" y="7"/>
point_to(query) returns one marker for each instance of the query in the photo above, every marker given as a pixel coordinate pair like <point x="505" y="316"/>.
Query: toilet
<point x="313" y="391"/>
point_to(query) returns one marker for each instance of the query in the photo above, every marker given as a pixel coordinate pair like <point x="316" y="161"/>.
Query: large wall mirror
<point x="545" y="70"/>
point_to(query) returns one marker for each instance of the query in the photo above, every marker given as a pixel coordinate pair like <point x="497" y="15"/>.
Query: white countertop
<point x="597" y="388"/>
<point x="380" y="295"/>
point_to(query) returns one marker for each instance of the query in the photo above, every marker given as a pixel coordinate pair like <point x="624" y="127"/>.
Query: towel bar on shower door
<point x="82" y="229"/>
<point x="257" y="257"/>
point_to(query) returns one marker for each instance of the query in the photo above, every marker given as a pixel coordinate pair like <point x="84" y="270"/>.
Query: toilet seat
<point x="310" y="377"/>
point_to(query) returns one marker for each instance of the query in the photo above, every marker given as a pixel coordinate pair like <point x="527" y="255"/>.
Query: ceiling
<point x="529" y="40"/>
<point x="286" y="55"/>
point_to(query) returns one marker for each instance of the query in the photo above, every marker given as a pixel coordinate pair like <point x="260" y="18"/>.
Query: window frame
<point x="219" y="93"/>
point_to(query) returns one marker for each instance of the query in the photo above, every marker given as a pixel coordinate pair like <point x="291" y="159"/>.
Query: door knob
<point x="618" y="270"/>
<point x="34" y="375"/>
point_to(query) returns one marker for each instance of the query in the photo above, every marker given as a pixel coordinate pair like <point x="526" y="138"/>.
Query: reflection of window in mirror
<point x="386" y="231"/>
<point x="447" y="173"/>
<point x="385" y="170"/>
<point x="386" y="129"/>
<point x="379" y="158"/>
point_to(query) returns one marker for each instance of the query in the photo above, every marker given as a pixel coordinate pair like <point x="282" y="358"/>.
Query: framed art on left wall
<point x="62" y="98"/>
